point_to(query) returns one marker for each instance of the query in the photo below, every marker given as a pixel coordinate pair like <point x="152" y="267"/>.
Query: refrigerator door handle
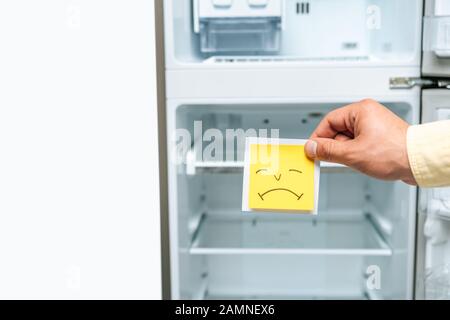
<point x="409" y="83"/>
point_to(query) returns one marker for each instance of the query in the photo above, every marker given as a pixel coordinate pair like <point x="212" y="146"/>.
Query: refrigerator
<point x="236" y="68"/>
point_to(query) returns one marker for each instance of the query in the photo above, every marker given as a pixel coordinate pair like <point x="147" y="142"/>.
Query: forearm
<point x="429" y="153"/>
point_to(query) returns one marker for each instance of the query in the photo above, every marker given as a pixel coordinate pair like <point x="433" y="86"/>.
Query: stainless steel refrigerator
<point x="274" y="64"/>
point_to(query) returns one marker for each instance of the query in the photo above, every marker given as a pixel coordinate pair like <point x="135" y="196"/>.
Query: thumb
<point x="327" y="150"/>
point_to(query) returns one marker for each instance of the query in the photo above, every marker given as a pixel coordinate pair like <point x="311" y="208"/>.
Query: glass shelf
<point x="224" y="235"/>
<point x="194" y="166"/>
<point x="363" y="296"/>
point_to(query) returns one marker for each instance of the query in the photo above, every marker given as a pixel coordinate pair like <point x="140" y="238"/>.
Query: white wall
<point x="79" y="200"/>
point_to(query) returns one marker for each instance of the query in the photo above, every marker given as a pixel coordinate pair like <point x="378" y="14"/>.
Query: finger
<point x="329" y="150"/>
<point x="342" y="137"/>
<point x="337" y="121"/>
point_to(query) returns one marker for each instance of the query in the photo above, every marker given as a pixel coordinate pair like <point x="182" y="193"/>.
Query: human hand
<point x="365" y="136"/>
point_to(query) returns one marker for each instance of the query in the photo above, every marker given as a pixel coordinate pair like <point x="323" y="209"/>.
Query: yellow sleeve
<point x="429" y="153"/>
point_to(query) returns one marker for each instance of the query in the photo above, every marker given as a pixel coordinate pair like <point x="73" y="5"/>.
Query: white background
<point x="79" y="202"/>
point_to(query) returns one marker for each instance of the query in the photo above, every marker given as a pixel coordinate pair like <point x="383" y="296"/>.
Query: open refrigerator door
<point x="434" y="217"/>
<point x="433" y="232"/>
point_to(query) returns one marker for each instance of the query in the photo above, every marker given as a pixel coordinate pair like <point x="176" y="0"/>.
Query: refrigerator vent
<point x="276" y="59"/>
<point x="302" y="8"/>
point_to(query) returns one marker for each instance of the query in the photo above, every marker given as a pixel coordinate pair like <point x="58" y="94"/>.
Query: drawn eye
<point x="295" y="170"/>
<point x="262" y="171"/>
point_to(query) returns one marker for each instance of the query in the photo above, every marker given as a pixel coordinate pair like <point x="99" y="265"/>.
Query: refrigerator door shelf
<point x="436" y="230"/>
<point x="437" y="36"/>
<point x="441" y="7"/>
<point x="436" y="39"/>
<point x="433" y="245"/>
<point x="439" y="203"/>
<point x="443" y="114"/>
<point x="438" y="283"/>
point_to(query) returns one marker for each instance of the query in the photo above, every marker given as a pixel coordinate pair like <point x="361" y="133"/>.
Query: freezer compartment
<point x="291" y="31"/>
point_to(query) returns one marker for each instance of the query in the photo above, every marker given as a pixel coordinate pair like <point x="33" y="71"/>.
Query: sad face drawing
<point x="281" y="178"/>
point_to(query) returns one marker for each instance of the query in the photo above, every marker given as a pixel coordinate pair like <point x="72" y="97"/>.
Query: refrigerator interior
<point x="218" y="252"/>
<point x="384" y="32"/>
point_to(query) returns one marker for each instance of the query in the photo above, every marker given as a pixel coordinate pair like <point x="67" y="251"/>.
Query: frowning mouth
<point x="280" y="189"/>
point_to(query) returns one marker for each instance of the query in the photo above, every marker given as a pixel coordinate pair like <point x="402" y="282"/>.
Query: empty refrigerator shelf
<point x="214" y="167"/>
<point x="247" y="236"/>
<point x="238" y="167"/>
<point x="363" y="296"/>
<point x="195" y="167"/>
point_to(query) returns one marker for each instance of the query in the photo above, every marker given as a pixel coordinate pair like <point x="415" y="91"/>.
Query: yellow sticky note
<point x="279" y="177"/>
